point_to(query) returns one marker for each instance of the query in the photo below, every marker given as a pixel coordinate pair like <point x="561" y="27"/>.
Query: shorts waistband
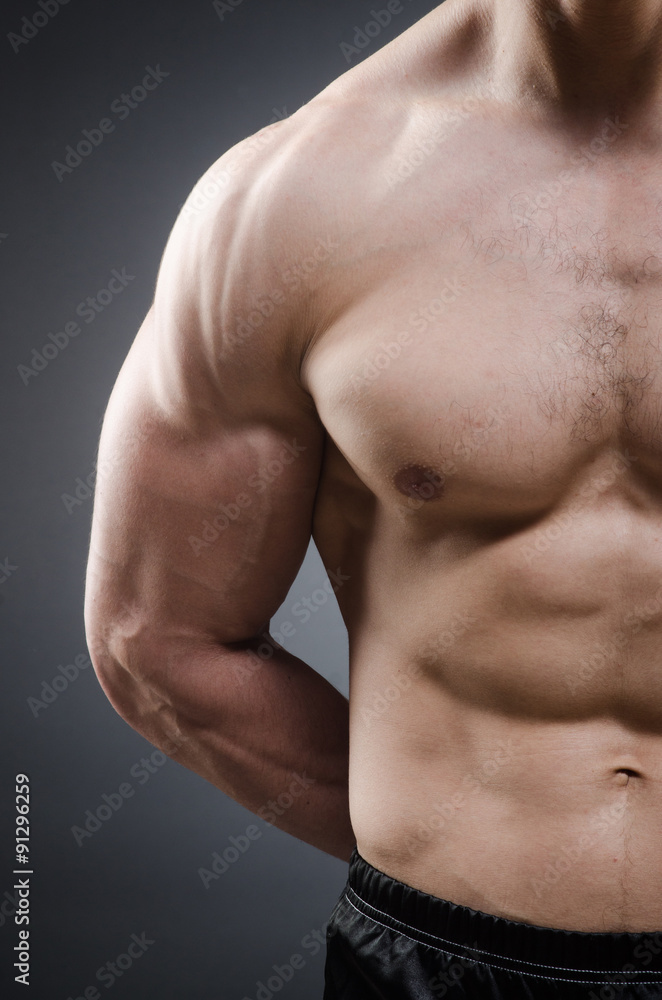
<point x="483" y="937"/>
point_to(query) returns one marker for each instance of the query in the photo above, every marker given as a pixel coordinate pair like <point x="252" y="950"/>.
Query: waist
<point x="474" y="940"/>
<point x="552" y="823"/>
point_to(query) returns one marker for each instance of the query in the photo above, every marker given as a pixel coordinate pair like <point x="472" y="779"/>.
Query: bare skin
<point x="457" y="392"/>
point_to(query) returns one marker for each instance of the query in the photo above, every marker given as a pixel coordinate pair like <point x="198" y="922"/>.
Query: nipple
<point x="420" y="482"/>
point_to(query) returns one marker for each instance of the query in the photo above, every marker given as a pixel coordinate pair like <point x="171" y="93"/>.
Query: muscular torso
<point x="492" y="487"/>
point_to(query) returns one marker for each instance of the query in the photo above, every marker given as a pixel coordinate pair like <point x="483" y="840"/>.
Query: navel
<point x="420" y="482"/>
<point x="623" y="775"/>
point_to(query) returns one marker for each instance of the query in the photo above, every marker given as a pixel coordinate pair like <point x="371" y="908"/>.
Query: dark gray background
<point x="59" y="242"/>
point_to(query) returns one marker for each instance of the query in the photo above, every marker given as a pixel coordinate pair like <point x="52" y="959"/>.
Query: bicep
<point x="204" y="499"/>
<point x="210" y="450"/>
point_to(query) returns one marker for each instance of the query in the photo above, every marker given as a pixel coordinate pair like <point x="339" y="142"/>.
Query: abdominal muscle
<point x="505" y="742"/>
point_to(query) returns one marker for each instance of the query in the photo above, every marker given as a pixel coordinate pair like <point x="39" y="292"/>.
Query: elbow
<point x="124" y="675"/>
<point x="133" y="659"/>
<point x="142" y="678"/>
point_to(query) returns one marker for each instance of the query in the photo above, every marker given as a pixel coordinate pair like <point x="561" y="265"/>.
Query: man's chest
<point x="486" y="366"/>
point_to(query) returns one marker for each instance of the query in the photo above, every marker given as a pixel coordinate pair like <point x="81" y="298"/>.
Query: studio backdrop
<point x="121" y="870"/>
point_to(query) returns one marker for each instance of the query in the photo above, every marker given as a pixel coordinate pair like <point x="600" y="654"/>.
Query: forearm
<point x="272" y="733"/>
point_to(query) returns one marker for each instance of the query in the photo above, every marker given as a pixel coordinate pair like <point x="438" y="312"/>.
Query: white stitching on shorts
<point x="583" y="982"/>
<point x="483" y="951"/>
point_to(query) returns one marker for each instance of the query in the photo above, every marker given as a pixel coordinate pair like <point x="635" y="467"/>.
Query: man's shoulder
<point x="320" y="160"/>
<point x="294" y="164"/>
<point x="273" y="209"/>
<point x="347" y="123"/>
<point x="296" y="207"/>
<point x="249" y="266"/>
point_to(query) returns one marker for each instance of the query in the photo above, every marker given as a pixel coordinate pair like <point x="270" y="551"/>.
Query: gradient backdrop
<point x="220" y="73"/>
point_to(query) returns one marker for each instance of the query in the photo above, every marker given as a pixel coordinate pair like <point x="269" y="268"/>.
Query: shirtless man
<point x="420" y="320"/>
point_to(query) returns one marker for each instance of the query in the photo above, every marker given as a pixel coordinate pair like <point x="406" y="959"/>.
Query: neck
<point x="583" y="56"/>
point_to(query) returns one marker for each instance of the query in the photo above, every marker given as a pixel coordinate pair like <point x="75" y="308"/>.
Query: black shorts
<point x="389" y="941"/>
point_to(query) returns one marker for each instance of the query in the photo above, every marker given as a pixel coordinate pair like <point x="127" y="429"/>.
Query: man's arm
<point x="213" y="452"/>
